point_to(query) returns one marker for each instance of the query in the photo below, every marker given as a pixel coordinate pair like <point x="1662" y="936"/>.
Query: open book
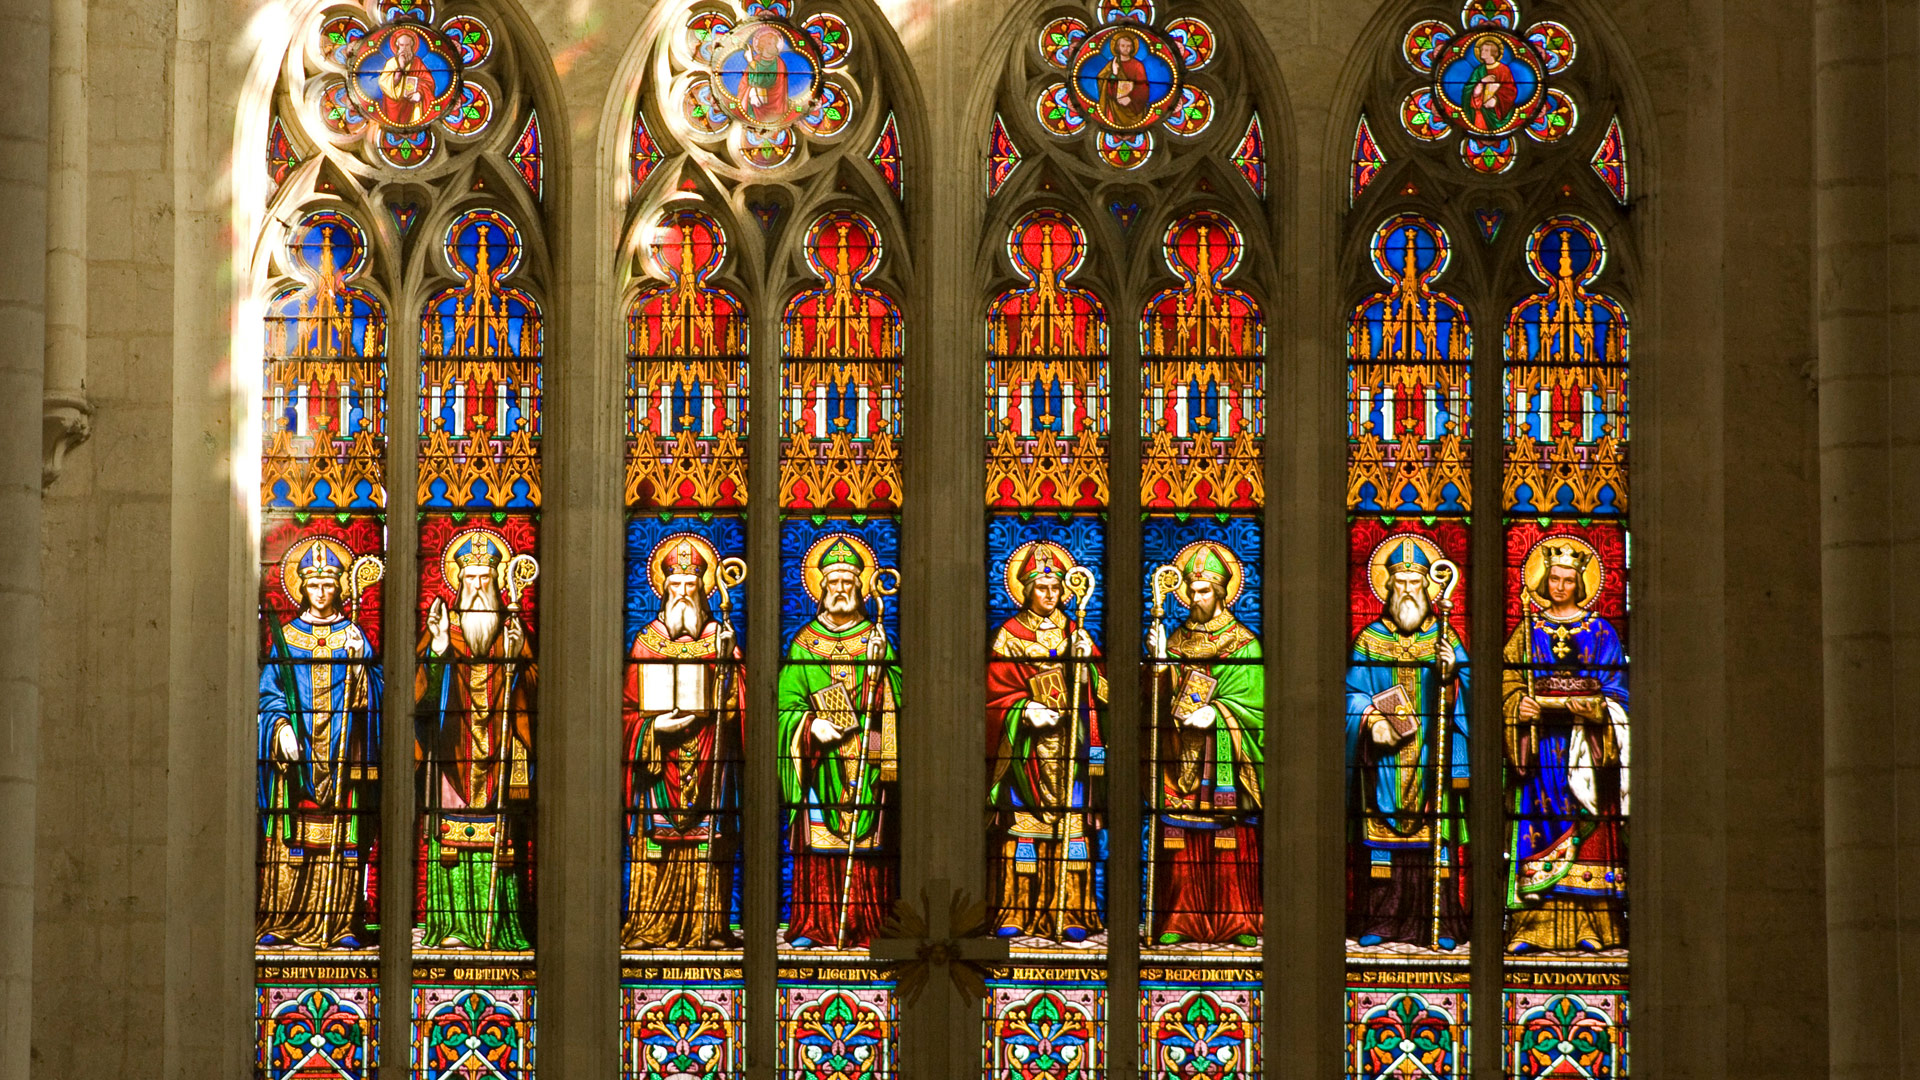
<point x="678" y="687"/>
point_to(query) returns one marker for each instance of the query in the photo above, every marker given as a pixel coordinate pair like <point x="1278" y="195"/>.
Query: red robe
<point x="682" y="798"/>
<point x="1131" y="112"/>
<point x="396" y="83"/>
<point x="1030" y="787"/>
<point x="1491" y="116"/>
<point x="1209" y="797"/>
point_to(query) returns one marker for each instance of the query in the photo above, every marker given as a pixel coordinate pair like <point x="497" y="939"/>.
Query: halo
<point x="1235" y="572"/>
<point x="1534" y="571"/>
<point x="1377" y="562"/>
<point x="450" y="568"/>
<point x="1014" y="587"/>
<point x="290" y="564"/>
<point x="658" y="574"/>
<point x="810" y="569"/>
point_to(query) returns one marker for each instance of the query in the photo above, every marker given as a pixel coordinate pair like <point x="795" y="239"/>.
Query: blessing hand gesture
<point x="439" y="624"/>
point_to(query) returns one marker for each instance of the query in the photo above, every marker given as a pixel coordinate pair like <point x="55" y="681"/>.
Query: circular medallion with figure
<point x="766" y="74"/>
<point x="404" y="76"/>
<point x="1489" y="81"/>
<point x="1127" y="77"/>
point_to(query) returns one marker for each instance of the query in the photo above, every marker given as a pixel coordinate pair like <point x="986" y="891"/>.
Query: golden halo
<point x="290" y="566"/>
<point x="657" y="572"/>
<point x="1377" y="563"/>
<point x="450" y="567"/>
<point x="1015" y="588"/>
<point x="1534" y="571"/>
<point x="1236" y="574"/>
<point x="810" y="569"/>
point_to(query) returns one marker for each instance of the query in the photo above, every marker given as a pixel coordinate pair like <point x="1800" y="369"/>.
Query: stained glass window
<point x="1047" y="403"/>
<point x="1564" y="696"/>
<point x="356" y="858"/>
<point x="1497" y="79"/>
<point x="1202" y="493"/>
<point x="684" y="705"/>
<point x="323" y="535"/>
<point x="742" y="102"/>
<point x="1126" y="89"/>
<point x="839" y="698"/>
<point x="1409" y="447"/>
<point x="476" y="683"/>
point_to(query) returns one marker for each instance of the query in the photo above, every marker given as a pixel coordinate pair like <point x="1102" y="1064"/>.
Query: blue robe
<point x="318" y="813"/>
<point x="1561" y="847"/>
<point x="1407" y="843"/>
<point x="335" y="683"/>
<point x="1382" y="786"/>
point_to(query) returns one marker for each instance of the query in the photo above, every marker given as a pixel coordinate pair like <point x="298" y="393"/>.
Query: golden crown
<point x="1568" y="556"/>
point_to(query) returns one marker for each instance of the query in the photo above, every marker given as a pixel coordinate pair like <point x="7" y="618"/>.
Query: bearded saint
<point x="1045" y="751"/>
<point x="684" y="731"/>
<point x="1407" y="764"/>
<point x="1207" y="793"/>
<point x="1565" y="699"/>
<point x="319" y="770"/>
<point x="1124" y="95"/>
<point x="1491" y="91"/>
<point x="474" y="687"/>
<point x="839" y="692"/>
<point x="406" y="84"/>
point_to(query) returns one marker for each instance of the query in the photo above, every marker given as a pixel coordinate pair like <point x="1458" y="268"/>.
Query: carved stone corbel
<point x="65" y="424"/>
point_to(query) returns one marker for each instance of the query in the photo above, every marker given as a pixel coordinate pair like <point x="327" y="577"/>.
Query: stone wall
<point x="143" y="840"/>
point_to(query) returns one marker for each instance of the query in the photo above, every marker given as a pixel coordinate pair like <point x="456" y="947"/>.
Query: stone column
<point x="23" y="236"/>
<point x="1851" y="176"/>
<point x="67" y="415"/>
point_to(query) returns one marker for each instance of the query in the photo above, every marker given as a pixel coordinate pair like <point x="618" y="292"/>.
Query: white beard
<point x="479" y="623"/>
<point x="684" y="618"/>
<point x="1407" y="613"/>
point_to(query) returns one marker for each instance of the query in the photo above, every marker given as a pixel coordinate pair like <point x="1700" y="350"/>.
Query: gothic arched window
<point x="404" y="175"/>
<point x="1488" y="760"/>
<point x="767" y="350"/>
<point x="1125" y="455"/>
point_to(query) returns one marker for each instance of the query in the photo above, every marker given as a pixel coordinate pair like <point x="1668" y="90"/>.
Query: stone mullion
<point x="1485" y="577"/>
<point x="1125" y="783"/>
<point x="943" y="531"/>
<point x="400" y="594"/>
<point x="760" y="811"/>
<point x="1852" y="218"/>
<point x="577" y="719"/>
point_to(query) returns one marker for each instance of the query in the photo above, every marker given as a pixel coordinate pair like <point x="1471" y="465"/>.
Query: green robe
<point x="811" y="777"/>
<point x="1205" y="786"/>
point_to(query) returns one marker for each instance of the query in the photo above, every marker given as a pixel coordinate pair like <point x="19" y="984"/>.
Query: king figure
<point x="1565" y="698"/>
